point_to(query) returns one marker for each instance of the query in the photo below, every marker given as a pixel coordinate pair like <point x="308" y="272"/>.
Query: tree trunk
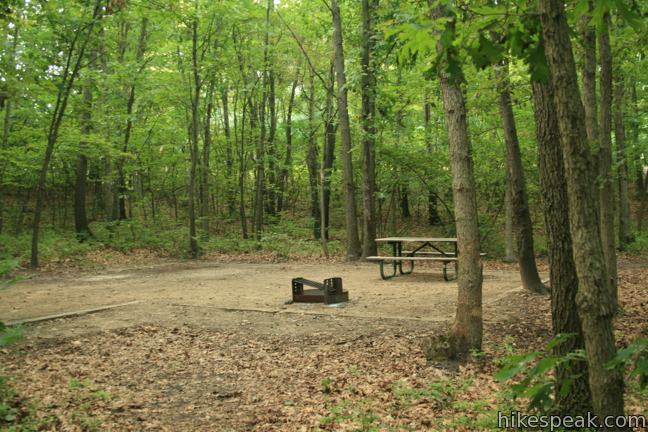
<point x="260" y="153"/>
<point x="564" y="281"/>
<point x="65" y="88"/>
<point x="271" y="203"/>
<point x="509" y="240"/>
<point x="81" y="227"/>
<point x="229" y="159"/>
<point x="353" y="241"/>
<point x="625" y="236"/>
<point x="123" y="190"/>
<point x="328" y="154"/>
<point x="594" y="298"/>
<point x="522" y="226"/>
<point x="6" y="126"/>
<point x="590" y="103"/>
<point x="311" y="162"/>
<point x="640" y="178"/>
<point x="204" y="169"/>
<point x="605" y="159"/>
<point x="433" y="213"/>
<point x="368" y="123"/>
<point x="467" y="329"/>
<point x="286" y="170"/>
<point x="241" y="173"/>
<point x="193" y="142"/>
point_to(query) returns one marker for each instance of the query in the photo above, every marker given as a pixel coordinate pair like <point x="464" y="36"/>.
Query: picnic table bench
<point x="442" y="249"/>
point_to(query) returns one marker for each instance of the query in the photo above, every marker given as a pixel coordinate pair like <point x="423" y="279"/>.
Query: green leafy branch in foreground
<point x="536" y="381"/>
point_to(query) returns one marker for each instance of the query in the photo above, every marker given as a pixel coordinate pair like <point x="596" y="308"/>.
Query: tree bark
<point x="271" y="202"/>
<point x="311" y="162"/>
<point x="81" y="227"/>
<point x="260" y="154"/>
<point x="229" y="157"/>
<point x="606" y="195"/>
<point x="204" y="169"/>
<point x="123" y="190"/>
<point x="194" y="136"/>
<point x="590" y="102"/>
<point x="564" y="281"/>
<point x="70" y="73"/>
<point x="509" y="240"/>
<point x="467" y="329"/>
<point x="625" y="235"/>
<point x="594" y="298"/>
<point x="522" y="226"/>
<point x="328" y="154"/>
<point x="286" y="170"/>
<point x="368" y="124"/>
<point x="433" y="213"/>
<point x="6" y="126"/>
<point x="640" y="178"/>
<point x="353" y="240"/>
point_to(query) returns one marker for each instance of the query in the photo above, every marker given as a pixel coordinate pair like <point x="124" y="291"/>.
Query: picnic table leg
<point x="382" y="270"/>
<point x="445" y="271"/>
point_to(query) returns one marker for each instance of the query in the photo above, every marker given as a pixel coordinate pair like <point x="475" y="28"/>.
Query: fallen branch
<point x="69" y="314"/>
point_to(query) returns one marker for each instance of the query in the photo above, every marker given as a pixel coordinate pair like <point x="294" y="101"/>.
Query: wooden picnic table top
<point x="417" y="239"/>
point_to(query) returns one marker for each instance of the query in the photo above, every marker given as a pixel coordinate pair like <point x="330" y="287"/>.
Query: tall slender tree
<point x="353" y="240"/>
<point x="467" y="330"/>
<point x="368" y="122"/>
<point x="522" y="225"/>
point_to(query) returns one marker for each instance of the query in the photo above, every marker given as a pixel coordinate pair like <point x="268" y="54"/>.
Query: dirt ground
<point x="170" y="293"/>
<point x="213" y="346"/>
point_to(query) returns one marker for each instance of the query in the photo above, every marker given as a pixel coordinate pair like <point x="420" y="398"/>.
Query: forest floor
<point x="214" y="346"/>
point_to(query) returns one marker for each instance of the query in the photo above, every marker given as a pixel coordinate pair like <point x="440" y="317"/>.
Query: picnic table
<point x="442" y="249"/>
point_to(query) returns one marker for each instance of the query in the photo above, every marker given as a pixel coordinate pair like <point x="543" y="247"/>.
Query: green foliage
<point x="442" y="392"/>
<point x="534" y="374"/>
<point x="640" y="244"/>
<point x="9" y="334"/>
<point x="635" y="358"/>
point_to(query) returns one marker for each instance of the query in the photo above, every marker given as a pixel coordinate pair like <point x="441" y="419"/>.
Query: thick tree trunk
<point x="594" y="298"/>
<point x="605" y="160"/>
<point x="522" y="226"/>
<point x="311" y="162"/>
<point x="368" y="124"/>
<point x="353" y="240"/>
<point x="625" y="235"/>
<point x="564" y="281"/>
<point x="65" y="88"/>
<point x="468" y="326"/>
